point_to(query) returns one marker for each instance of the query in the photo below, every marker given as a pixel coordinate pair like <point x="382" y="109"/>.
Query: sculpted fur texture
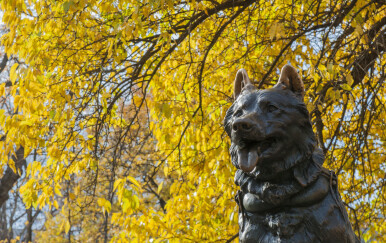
<point x="285" y="193"/>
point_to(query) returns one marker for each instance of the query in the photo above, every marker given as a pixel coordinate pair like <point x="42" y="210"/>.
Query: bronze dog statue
<point x="285" y="193"/>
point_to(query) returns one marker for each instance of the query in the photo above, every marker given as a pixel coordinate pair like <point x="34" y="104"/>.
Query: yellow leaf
<point x="2" y="90"/>
<point x="71" y="196"/>
<point x="117" y="183"/>
<point x="57" y="191"/>
<point x="166" y="170"/>
<point x="56" y="205"/>
<point x="107" y="206"/>
<point x="160" y="187"/>
<point x="67" y="226"/>
<point x="345" y="87"/>
<point x="350" y="79"/>
<point x="12" y="73"/>
<point x="330" y="93"/>
<point x="134" y="181"/>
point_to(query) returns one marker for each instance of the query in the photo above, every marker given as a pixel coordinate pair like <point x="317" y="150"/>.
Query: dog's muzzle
<point x="248" y="152"/>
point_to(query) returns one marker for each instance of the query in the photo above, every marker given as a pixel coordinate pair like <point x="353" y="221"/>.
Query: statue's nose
<point x="242" y="125"/>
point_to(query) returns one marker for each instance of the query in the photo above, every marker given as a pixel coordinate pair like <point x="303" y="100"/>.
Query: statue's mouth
<point x="249" y="152"/>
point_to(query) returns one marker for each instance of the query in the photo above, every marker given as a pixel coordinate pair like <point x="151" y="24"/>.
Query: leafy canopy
<point x="122" y="104"/>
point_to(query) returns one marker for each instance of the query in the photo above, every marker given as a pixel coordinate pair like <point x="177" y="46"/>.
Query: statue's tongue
<point x="247" y="159"/>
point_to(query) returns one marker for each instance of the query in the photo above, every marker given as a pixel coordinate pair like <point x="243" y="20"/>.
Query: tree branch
<point x="3" y="63"/>
<point x="367" y="58"/>
<point x="10" y="177"/>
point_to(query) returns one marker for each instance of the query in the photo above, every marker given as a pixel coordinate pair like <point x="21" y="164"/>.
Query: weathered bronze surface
<point x="285" y="194"/>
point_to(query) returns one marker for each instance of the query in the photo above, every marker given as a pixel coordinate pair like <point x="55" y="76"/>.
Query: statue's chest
<point x="320" y="222"/>
<point x="282" y="226"/>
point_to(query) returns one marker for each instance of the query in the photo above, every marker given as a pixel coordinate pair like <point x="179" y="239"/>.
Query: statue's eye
<point x="238" y="113"/>
<point x="272" y="108"/>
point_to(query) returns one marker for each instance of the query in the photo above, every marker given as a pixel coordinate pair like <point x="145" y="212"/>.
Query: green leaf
<point x="66" y="6"/>
<point x="52" y="114"/>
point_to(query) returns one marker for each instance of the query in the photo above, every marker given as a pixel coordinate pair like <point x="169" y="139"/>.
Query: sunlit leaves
<point x="126" y="126"/>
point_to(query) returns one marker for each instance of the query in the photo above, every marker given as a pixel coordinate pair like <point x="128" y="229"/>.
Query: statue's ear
<point x="290" y="79"/>
<point x="241" y="81"/>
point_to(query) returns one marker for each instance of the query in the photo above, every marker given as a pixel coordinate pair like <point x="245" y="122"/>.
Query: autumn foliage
<point x="117" y="109"/>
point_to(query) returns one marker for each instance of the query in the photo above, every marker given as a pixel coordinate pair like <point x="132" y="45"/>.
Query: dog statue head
<point x="270" y="129"/>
